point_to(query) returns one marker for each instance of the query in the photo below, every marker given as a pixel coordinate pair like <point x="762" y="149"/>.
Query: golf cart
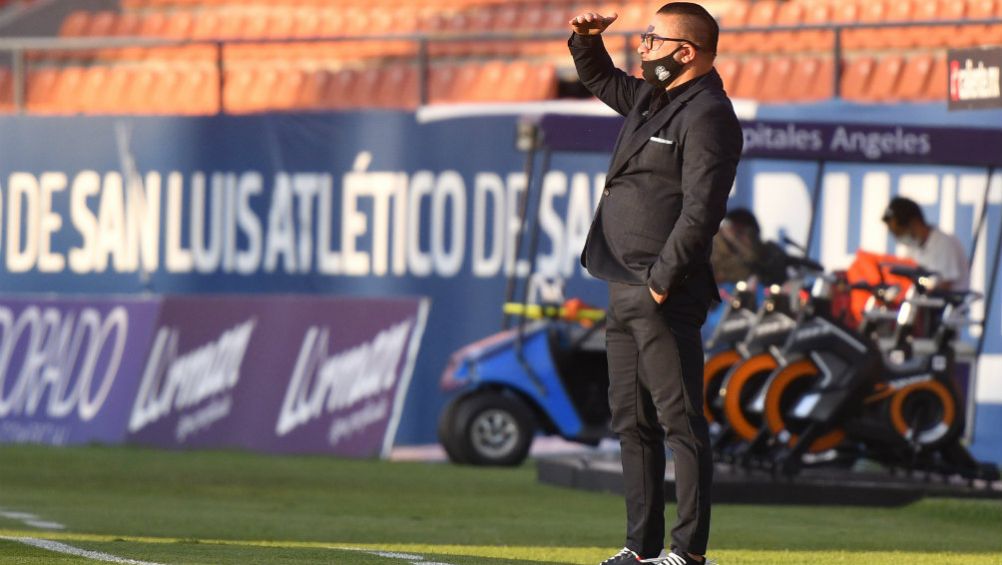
<point x="549" y="374"/>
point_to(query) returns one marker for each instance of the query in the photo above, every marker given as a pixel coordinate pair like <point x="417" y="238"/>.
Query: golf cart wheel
<point x="744" y="383"/>
<point x="714" y="371"/>
<point x="789" y="386"/>
<point x="446" y="438"/>
<point x="925" y="414"/>
<point x="492" y="428"/>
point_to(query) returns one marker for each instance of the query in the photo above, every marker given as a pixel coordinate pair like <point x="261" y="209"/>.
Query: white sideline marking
<point x="45" y="525"/>
<point x="32" y="520"/>
<point x="414" y="559"/>
<point x="70" y="550"/>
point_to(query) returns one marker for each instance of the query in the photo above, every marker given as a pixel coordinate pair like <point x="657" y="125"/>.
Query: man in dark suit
<point x="665" y="195"/>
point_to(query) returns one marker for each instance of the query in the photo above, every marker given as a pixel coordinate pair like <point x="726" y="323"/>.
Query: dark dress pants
<point x="656" y="386"/>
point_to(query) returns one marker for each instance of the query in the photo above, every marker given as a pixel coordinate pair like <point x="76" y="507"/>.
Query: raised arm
<point x="612" y="86"/>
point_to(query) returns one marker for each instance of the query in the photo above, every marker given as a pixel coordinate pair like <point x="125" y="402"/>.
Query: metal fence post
<point x="20" y="78"/>
<point x="837" y="64"/>
<point x="221" y="78"/>
<point x="423" y="71"/>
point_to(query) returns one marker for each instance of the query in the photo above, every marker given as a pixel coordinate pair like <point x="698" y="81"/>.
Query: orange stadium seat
<point x="206" y="26"/>
<point x="6" y="91"/>
<point x="870" y="12"/>
<point x="914" y="83"/>
<point x="232" y="25"/>
<point x="761" y="14"/>
<point x="933" y="10"/>
<point x="815" y="13"/>
<point x="287" y="93"/>
<point x="199" y="92"/>
<point x="266" y="90"/>
<point x="750" y="79"/>
<point x="735" y="15"/>
<point x="39" y="92"/>
<point x="102" y="24"/>
<point x="464" y="84"/>
<point x="728" y="69"/>
<point x="166" y="97"/>
<point x="634" y="16"/>
<point x="788" y="14"/>
<point x="397" y="87"/>
<point x="145" y="80"/>
<point x="883" y="86"/>
<point x="813" y="78"/>
<point x="127" y="24"/>
<point x="67" y="91"/>
<point x="440" y="81"/>
<point x="311" y="93"/>
<point x="274" y="24"/>
<point x="115" y="90"/>
<point x="366" y="84"/>
<point x="75" y="24"/>
<point x="856" y="76"/>
<point x="776" y="87"/>
<point x="178" y="25"/>
<point x="339" y="93"/>
<point x="237" y="86"/>
<point x="936" y="88"/>
<point x="91" y="90"/>
<point x="845" y="12"/>
<point x="489" y="84"/>
<point x="153" y="24"/>
<point x="980" y="35"/>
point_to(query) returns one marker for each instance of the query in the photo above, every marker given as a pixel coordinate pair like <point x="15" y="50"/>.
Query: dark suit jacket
<point x="666" y="189"/>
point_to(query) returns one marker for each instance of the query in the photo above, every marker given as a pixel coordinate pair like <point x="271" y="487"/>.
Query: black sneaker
<point x="626" y="556"/>
<point x="677" y="559"/>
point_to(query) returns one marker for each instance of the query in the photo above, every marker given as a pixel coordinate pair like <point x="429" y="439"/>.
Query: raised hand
<point x="591" y="23"/>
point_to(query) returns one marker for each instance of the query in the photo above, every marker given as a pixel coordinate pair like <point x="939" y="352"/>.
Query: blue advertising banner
<point x="380" y="204"/>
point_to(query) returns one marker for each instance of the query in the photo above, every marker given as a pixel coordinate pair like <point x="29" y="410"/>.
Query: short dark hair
<point x="903" y="210"/>
<point x="744" y="218"/>
<point x="700" y="26"/>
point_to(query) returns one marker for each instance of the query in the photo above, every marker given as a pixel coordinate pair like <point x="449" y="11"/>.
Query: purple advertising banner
<point x="69" y="367"/>
<point x="813" y="141"/>
<point x="280" y="374"/>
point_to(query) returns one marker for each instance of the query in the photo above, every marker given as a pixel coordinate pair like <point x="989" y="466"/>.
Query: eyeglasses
<point x="653" y="41"/>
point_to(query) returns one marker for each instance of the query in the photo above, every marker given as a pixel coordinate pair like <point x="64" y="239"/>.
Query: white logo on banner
<point x="61" y="354"/>
<point x="344" y="381"/>
<point x="184" y="381"/>
<point x="975" y="83"/>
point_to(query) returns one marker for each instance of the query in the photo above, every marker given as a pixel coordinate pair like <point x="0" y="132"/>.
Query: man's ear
<point x="688" y="53"/>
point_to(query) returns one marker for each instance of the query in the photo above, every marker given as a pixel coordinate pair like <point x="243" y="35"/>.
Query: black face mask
<point x="660" y="72"/>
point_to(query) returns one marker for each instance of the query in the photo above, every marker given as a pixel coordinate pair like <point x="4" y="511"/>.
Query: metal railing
<point x="18" y="47"/>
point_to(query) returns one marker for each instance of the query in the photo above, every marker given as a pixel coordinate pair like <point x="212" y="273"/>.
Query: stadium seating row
<point x="807" y="12"/>
<point x="186" y="88"/>
<point x="194" y="89"/>
<point x="891" y="78"/>
<point x="290" y="20"/>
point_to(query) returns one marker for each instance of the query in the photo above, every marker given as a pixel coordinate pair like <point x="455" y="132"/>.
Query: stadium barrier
<point x="284" y="374"/>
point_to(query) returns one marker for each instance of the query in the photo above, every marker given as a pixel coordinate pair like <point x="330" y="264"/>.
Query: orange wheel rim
<point x="935" y="387"/>
<point x="715" y="368"/>
<point x="774" y="414"/>
<point x="732" y="399"/>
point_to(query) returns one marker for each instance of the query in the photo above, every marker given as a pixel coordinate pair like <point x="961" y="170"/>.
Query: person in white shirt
<point x="930" y="247"/>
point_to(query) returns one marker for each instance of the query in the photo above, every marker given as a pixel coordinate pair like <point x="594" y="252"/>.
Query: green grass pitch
<point x="225" y="508"/>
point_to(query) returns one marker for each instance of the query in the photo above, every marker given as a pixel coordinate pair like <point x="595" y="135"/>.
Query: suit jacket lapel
<point x="632" y="138"/>
<point x="629" y="125"/>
